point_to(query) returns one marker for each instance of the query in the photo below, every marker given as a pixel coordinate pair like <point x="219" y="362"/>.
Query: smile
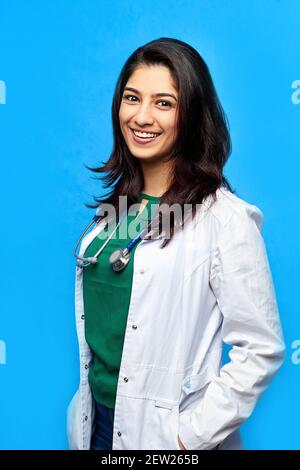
<point x="143" y="137"/>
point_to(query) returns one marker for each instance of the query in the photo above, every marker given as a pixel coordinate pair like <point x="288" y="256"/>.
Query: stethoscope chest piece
<point x="119" y="259"/>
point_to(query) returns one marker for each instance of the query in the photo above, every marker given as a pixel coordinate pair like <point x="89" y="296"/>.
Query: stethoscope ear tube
<point x="90" y="259"/>
<point x="80" y="259"/>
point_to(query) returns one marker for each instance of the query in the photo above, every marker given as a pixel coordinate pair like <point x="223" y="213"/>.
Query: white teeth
<point x="144" y="134"/>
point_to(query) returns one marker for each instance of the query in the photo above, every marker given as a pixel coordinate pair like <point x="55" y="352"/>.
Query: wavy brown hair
<point x="202" y="145"/>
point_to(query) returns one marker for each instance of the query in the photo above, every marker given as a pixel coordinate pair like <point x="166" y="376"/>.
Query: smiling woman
<point x="150" y="335"/>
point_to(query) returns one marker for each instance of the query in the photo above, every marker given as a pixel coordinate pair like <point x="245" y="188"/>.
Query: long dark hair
<point x="203" y="142"/>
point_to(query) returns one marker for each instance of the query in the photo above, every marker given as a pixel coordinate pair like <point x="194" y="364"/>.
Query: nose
<point x="144" y="115"/>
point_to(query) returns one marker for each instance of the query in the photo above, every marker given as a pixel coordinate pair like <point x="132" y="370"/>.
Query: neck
<point x="156" y="177"/>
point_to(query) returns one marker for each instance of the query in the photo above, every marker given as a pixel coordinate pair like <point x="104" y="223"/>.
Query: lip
<point x="142" y="141"/>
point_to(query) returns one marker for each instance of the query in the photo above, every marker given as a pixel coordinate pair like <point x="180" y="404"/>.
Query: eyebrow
<point x="153" y="96"/>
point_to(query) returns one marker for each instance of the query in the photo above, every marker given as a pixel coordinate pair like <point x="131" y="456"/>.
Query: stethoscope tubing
<point x="86" y="261"/>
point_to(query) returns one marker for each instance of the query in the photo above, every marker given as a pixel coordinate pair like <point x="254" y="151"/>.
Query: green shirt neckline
<point x="148" y="196"/>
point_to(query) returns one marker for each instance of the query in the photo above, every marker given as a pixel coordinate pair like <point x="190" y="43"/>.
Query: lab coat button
<point x="142" y="271"/>
<point x="125" y="379"/>
<point x="86" y="366"/>
<point x="86" y="418"/>
<point x="82" y="317"/>
<point x="134" y="327"/>
<point x="119" y="433"/>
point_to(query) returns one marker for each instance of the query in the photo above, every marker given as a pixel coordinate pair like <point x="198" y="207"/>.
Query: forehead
<point x="152" y="79"/>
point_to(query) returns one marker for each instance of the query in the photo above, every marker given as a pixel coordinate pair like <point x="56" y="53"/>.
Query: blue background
<point x="60" y="61"/>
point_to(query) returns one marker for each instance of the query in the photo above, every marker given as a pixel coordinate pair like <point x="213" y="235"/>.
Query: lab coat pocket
<point x="196" y="382"/>
<point x="193" y="388"/>
<point x="166" y="425"/>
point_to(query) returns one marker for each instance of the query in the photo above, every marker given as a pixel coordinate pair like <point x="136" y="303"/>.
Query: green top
<point x="106" y="296"/>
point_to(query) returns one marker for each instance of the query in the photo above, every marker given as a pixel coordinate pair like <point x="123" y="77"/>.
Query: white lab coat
<point x="211" y="283"/>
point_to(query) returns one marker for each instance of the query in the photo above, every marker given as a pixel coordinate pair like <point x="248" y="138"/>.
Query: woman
<point x="150" y="334"/>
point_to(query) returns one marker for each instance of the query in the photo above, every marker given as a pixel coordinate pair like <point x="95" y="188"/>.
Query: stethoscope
<point x="119" y="258"/>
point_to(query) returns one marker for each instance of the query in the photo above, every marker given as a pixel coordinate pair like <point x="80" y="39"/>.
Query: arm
<point x="242" y="284"/>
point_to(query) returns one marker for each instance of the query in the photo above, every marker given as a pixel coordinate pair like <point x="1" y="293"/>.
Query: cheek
<point x="123" y="114"/>
<point x="168" y="123"/>
<point x="170" y="132"/>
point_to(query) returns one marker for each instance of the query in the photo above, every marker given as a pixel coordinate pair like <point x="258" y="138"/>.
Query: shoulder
<point x="229" y="206"/>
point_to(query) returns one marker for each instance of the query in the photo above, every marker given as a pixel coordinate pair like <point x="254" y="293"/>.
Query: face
<point x="144" y="112"/>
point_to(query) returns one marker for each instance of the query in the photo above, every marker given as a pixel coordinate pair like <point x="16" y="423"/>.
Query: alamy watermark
<point x="296" y="354"/>
<point x="2" y="352"/>
<point x="2" y="92"/>
<point x="150" y="213"/>
<point x="295" y="97"/>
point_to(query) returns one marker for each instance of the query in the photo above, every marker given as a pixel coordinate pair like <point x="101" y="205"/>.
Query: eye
<point x="163" y="101"/>
<point x="160" y="101"/>
<point x="129" y="96"/>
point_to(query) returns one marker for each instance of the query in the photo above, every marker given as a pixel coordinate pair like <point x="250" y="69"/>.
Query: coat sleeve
<point x="241" y="281"/>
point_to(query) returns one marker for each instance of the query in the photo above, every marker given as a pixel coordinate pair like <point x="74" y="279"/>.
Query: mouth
<point x="143" y="140"/>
